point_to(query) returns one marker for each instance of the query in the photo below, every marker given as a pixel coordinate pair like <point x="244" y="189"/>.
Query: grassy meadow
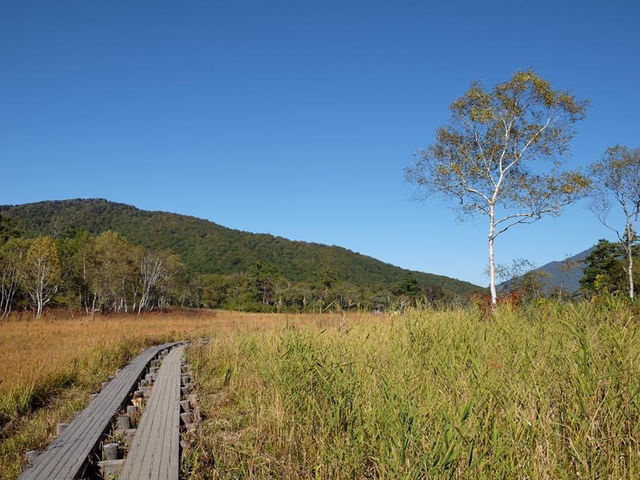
<point x="48" y="367"/>
<point x="546" y="391"/>
<point x="549" y="391"/>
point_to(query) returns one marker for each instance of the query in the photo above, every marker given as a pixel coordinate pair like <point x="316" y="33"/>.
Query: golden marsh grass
<point x="49" y="366"/>
<point x="549" y="391"/>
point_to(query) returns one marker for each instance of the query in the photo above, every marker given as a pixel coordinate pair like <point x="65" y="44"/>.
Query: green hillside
<point x="206" y="247"/>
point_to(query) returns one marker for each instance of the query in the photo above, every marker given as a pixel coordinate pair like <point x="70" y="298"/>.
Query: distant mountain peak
<point x="560" y="273"/>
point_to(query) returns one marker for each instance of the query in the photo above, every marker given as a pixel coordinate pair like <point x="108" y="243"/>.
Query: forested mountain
<point x="207" y="248"/>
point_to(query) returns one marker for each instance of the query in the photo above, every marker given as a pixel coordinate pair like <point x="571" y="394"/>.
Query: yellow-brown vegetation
<point x="49" y="366"/>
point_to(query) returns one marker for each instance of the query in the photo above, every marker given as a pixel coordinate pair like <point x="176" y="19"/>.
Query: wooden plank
<point x="67" y="456"/>
<point x="155" y="451"/>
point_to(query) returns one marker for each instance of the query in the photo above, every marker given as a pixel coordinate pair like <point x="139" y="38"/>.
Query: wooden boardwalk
<point x="67" y="456"/>
<point x="155" y="451"/>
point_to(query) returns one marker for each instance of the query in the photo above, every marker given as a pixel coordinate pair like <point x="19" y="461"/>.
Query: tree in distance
<point x="500" y="155"/>
<point x="600" y="269"/>
<point x="522" y="278"/>
<point x="617" y="179"/>
<point x="12" y="255"/>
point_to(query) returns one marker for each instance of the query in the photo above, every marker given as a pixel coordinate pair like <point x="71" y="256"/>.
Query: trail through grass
<point x="49" y="367"/>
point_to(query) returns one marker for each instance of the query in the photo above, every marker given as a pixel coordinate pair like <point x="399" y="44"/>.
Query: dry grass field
<point x="546" y="391"/>
<point x="48" y="367"/>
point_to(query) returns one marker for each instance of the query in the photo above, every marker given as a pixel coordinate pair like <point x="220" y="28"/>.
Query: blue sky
<point x="297" y="118"/>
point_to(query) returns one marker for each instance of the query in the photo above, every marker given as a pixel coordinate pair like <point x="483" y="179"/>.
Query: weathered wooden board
<point x="155" y="451"/>
<point x="67" y="456"/>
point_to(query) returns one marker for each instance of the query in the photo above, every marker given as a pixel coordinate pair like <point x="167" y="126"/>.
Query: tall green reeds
<point x="547" y="391"/>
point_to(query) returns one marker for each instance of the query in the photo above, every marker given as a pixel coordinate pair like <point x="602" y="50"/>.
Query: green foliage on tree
<point x="8" y="229"/>
<point x="409" y="286"/>
<point x="605" y="269"/>
<point x="264" y="279"/>
<point x="328" y="278"/>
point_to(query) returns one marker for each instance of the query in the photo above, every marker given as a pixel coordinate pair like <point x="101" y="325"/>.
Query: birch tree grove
<point x="500" y="156"/>
<point x="112" y="273"/>
<point x="617" y="178"/>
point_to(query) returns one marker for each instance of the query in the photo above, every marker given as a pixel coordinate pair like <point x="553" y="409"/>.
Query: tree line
<point x="82" y="271"/>
<point x="106" y="273"/>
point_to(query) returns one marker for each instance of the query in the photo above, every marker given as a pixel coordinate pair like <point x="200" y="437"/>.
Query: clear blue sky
<point x="297" y="118"/>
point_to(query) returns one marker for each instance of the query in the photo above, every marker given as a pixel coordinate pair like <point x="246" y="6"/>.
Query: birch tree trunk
<point x="492" y="255"/>
<point x="8" y="289"/>
<point x="39" y="295"/>
<point x="629" y="248"/>
<point x="630" y="271"/>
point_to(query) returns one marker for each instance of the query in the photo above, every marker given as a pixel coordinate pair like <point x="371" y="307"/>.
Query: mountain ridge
<point x="565" y="274"/>
<point x="208" y="247"/>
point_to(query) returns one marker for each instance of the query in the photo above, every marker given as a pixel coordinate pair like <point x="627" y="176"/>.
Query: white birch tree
<point x="41" y="273"/>
<point x="157" y="269"/>
<point x="617" y="179"/>
<point x="500" y="156"/>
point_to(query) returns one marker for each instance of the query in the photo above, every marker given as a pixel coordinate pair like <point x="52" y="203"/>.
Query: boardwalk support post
<point x="111" y="451"/>
<point x="32" y="455"/>
<point x="60" y="428"/>
<point x="123" y="422"/>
